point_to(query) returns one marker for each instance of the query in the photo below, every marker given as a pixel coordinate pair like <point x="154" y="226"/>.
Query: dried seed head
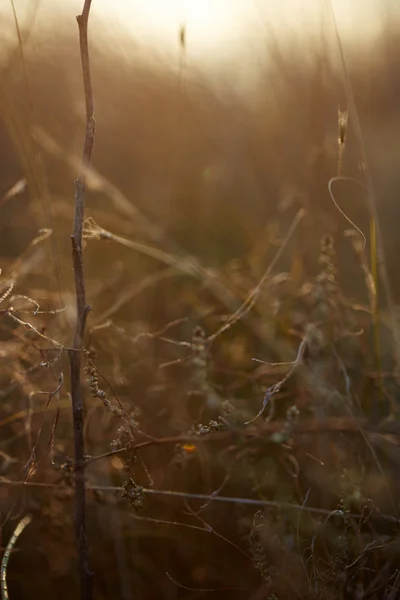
<point x="343" y="120"/>
<point x="182" y="37"/>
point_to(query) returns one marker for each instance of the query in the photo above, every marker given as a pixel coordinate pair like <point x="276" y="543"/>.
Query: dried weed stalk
<point x="82" y="307"/>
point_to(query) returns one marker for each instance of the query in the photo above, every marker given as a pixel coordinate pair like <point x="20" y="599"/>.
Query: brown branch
<point x="82" y="310"/>
<point x="263" y="432"/>
<point x="308" y="426"/>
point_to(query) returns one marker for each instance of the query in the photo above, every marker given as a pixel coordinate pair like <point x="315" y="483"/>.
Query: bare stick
<point x="82" y="310"/>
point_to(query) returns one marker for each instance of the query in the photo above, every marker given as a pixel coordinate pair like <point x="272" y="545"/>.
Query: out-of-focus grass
<point x="183" y="227"/>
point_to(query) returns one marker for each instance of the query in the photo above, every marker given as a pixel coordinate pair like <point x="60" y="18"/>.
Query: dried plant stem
<point x="4" y="563"/>
<point x="332" y="425"/>
<point x="208" y="498"/>
<point x="253" y="296"/>
<point x="82" y="311"/>
<point x="378" y="256"/>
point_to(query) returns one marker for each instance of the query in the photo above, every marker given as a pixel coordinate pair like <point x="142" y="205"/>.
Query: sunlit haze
<point x="219" y="29"/>
<point x="217" y="32"/>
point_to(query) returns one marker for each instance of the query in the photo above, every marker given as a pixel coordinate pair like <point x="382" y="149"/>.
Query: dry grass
<point x="239" y="361"/>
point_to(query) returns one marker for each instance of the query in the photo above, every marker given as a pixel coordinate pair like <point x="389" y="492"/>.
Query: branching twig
<point x="276" y="388"/>
<point x="82" y="311"/>
<point x="262" y="433"/>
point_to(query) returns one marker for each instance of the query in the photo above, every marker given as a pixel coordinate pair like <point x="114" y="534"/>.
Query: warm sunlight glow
<point x="211" y="26"/>
<point x="217" y="35"/>
<point x="226" y="31"/>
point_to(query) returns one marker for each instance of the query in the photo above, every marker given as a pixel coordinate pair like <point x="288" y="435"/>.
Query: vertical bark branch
<point x="82" y="310"/>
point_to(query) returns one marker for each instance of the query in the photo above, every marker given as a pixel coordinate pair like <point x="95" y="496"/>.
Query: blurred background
<point x="217" y="122"/>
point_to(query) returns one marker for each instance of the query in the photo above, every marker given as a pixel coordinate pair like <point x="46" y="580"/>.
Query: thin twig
<point x="263" y="432"/>
<point x="211" y="529"/>
<point x="371" y="194"/>
<point x="3" y="573"/>
<point x="253" y="296"/>
<point x="206" y="497"/>
<point x="75" y="357"/>
<point x="276" y="388"/>
<point x="343" y="178"/>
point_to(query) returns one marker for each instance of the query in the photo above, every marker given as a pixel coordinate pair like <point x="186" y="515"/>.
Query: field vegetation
<point x="199" y="388"/>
